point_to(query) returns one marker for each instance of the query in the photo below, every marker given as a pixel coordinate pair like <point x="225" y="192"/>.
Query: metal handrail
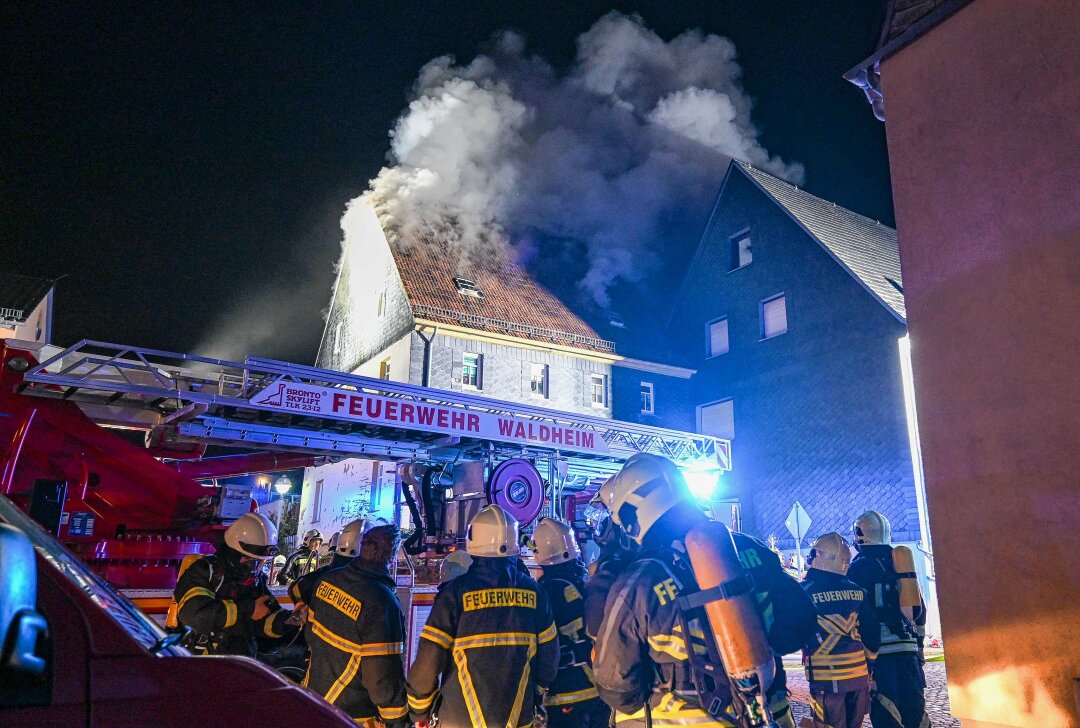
<point x="424" y="310"/>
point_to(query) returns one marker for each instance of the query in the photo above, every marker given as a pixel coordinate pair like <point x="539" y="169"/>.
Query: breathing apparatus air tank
<point x="732" y="615"/>
<point x="907" y="579"/>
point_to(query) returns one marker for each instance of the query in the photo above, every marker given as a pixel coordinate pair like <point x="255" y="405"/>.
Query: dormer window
<point x="468" y="288"/>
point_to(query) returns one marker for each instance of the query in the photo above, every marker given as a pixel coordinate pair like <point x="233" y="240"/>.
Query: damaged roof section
<point x="489" y="292"/>
<point x="20" y="295"/>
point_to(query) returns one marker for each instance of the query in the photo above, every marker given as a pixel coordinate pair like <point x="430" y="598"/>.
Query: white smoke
<point x="620" y="155"/>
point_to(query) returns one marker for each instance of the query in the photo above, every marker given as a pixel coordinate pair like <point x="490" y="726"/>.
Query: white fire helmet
<point x="871" y="529"/>
<point x="348" y="541"/>
<point x="647" y="487"/>
<point x="312" y="534"/>
<point x="555" y="542"/>
<point x="830" y="552"/>
<point x="253" y="534"/>
<point x="331" y="544"/>
<point x="492" y="532"/>
<point x="454" y="565"/>
<point x="605" y="494"/>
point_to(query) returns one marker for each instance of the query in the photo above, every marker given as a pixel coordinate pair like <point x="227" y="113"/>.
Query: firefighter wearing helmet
<point x="224" y="598"/>
<point x="617" y="550"/>
<point x="887" y="573"/>
<point x="304" y="560"/>
<point x="641" y="665"/>
<point x="490" y="641"/>
<point x="344" y="547"/>
<point x="572" y="700"/>
<point x="847" y="625"/>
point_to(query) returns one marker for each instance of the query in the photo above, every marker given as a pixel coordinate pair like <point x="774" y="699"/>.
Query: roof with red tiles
<point x="503" y="298"/>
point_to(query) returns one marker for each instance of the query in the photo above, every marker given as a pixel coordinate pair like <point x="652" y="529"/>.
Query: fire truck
<point x="108" y="520"/>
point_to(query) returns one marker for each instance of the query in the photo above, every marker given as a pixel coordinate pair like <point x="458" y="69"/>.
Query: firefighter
<point x="490" y="641"/>
<point x="617" y="550"/>
<point x="302" y="561"/>
<point x="454" y="565"/>
<point x="224" y="598"/>
<point x="344" y="547"/>
<point x="572" y="700"/>
<point x="897" y="697"/>
<point x="641" y="663"/>
<point x="847" y="625"/>
<point x="357" y="635"/>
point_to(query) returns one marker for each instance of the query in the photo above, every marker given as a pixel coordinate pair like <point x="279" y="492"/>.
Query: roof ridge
<point x="747" y="165"/>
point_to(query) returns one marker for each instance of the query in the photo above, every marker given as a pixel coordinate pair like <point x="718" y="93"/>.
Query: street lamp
<point x="282" y="485"/>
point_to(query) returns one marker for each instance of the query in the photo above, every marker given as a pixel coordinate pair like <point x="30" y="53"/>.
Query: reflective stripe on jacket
<point x="836" y="661"/>
<point x="564" y="585"/>
<point x="489" y="642"/>
<point x="356" y="632"/>
<point x="216" y="596"/>
<point x="642" y="651"/>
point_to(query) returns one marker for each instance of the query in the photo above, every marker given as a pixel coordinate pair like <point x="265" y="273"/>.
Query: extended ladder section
<point x="264" y="403"/>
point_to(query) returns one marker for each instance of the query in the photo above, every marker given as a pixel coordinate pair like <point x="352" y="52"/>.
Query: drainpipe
<point x="426" y="382"/>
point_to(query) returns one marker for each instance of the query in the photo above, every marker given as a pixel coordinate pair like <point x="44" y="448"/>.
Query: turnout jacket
<point x="300" y="562"/>
<point x="356" y="634"/>
<point x="564" y="584"/>
<point x="216" y="597"/>
<point x="614" y="557"/>
<point x="489" y="642"/>
<point x="835" y="660"/>
<point x="873" y="570"/>
<point x="301" y="590"/>
<point x="642" y="649"/>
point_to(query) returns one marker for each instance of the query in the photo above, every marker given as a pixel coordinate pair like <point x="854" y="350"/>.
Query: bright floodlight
<point x="702" y="483"/>
<point x="283" y="485"/>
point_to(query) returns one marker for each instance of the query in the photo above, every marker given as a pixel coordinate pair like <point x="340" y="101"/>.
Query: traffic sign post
<point x="798" y="523"/>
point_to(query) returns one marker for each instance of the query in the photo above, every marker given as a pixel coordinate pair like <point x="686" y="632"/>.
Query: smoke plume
<point x="601" y="169"/>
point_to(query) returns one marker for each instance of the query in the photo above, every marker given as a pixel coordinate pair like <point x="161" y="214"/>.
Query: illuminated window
<point x="774" y="316"/>
<point x="647" y="395"/>
<point x="468" y="288"/>
<point x="538" y="380"/>
<point x="598" y="386"/>
<point x="718" y="338"/>
<point x="337" y="338"/>
<point x="384" y="368"/>
<point x="316" y="502"/>
<point x="740" y="252"/>
<point x="717" y="419"/>
<point x="471" y="374"/>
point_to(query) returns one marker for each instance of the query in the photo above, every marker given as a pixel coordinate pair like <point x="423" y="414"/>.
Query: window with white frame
<point x="316" y="502"/>
<point x="598" y="390"/>
<point x="384" y="368"/>
<point x="471" y="370"/>
<point x="718" y="337"/>
<point x="740" y="252"/>
<point x="717" y="419"/>
<point x="380" y="303"/>
<point x="648" y="405"/>
<point x="774" y="316"/>
<point x="538" y="380"/>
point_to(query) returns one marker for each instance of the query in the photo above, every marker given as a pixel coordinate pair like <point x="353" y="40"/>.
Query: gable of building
<point x="20" y="295"/>
<point x="865" y="248"/>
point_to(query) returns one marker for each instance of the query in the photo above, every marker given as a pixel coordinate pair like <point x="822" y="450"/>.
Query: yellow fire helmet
<point x="492" y="532"/>
<point x="254" y="535"/>
<point x="830" y="552"/>
<point x="647" y="487"/>
<point x="872" y="529"/>
<point x="555" y="542"/>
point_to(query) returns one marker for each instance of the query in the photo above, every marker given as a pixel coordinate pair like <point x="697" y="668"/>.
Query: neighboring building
<point x="26" y="305"/>
<point x="790" y="313"/>
<point x="982" y="119"/>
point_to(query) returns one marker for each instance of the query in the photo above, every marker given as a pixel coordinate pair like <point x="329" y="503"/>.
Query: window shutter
<point x="774" y="316"/>
<point x="718" y="337"/>
<point x="718" y="419"/>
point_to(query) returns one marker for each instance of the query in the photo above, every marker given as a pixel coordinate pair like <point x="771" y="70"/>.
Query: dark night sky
<point x="175" y="163"/>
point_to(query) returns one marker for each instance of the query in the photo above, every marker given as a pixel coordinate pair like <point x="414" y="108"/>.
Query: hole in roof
<point x="895" y="285"/>
<point x="468" y="288"/>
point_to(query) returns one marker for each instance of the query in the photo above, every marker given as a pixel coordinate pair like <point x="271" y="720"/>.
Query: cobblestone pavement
<point x="937" y="697"/>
